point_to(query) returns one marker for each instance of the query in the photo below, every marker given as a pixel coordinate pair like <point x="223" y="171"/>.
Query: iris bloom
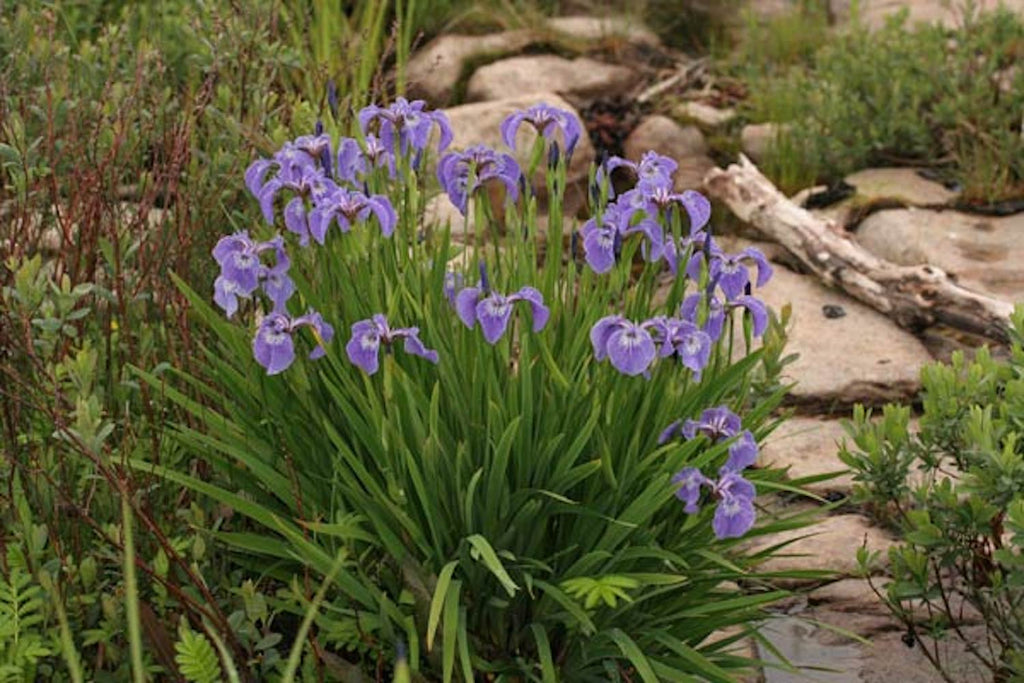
<point x="273" y="345"/>
<point x="653" y="170"/>
<point x="732" y="274"/>
<point x="454" y="169"/>
<point x="734" y="515"/>
<point x="408" y="123"/>
<point x="602" y="239"/>
<point x="684" y="339"/>
<point x="347" y="207"/>
<point x="717" y="311"/>
<point x="242" y="271"/>
<point x="356" y="162"/>
<point x="545" y="119"/>
<point x="298" y="171"/>
<point x="714" y="423"/>
<point x="493" y="310"/>
<point x="628" y="345"/>
<point x="363" y="348"/>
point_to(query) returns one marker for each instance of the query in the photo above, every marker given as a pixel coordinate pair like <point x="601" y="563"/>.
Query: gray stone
<point x="901" y="184"/>
<point x="829" y="545"/>
<point x="756" y="139"/>
<point x="592" y="28"/>
<point x="984" y="253"/>
<point x="664" y="136"/>
<point x="851" y="595"/>
<point x="808" y="447"/>
<point x="704" y="114"/>
<point x="860" y="357"/>
<point x="434" y="71"/>
<point x="576" y="79"/>
<point x="480" y="123"/>
<point x="691" y="172"/>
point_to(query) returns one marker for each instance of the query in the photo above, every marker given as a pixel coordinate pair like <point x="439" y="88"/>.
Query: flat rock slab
<point x="575" y="79"/>
<point x="830" y="545"/>
<point x="861" y="356"/>
<point x="900" y="184"/>
<point x="704" y="114"/>
<point x="664" y="136"/>
<point x="434" y="71"/>
<point x="808" y="642"/>
<point x="480" y="124"/>
<point x="985" y="253"/>
<point x="850" y="595"/>
<point x="757" y="139"/>
<point x="592" y="28"/>
<point x="808" y="447"/>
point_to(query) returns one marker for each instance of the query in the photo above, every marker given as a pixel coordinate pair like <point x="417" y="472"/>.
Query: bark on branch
<point x="914" y="296"/>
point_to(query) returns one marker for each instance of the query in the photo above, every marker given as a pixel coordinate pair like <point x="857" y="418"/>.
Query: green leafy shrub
<point x="927" y="95"/>
<point x="953" y="488"/>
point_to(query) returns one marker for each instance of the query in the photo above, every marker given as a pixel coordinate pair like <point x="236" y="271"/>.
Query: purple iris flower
<point x="277" y="284"/>
<point x="652" y="171"/>
<point x="715" y="423"/>
<point x="734" y="514"/>
<point x="348" y="207"/>
<point x="407" y="122"/>
<point x="242" y="271"/>
<point x="297" y="170"/>
<point x="684" y="339"/>
<point x="453" y="283"/>
<point x="695" y="248"/>
<point x="602" y="238"/>
<point x="742" y="452"/>
<point x="628" y="345"/>
<point x="363" y="348"/>
<point x="356" y="162"/>
<point x="454" y="169"/>
<point x="732" y="274"/>
<point x="717" y="311"/>
<point x="273" y="345"/>
<point x="545" y="119"/>
<point x="493" y="310"/>
<point x="691" y="479"/>
<point x="715" y="321"/>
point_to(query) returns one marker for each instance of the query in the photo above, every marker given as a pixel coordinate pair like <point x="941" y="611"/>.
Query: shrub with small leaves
<point x="953" y="489"/>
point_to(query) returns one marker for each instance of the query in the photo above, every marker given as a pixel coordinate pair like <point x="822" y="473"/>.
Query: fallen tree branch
<point x="914" y="296"/>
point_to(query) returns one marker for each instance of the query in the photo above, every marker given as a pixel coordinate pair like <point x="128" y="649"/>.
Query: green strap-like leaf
<point x="635" y="656"/>
<point x="491" y="561"/>
<point x="438" y="601"/>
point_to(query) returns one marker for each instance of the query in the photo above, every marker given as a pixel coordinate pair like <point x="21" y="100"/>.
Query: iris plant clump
<point x="322" y="189"/>
<point x="452" y="466"/>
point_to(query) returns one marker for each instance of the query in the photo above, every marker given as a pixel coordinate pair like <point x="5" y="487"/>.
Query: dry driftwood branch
<point x="914" y="296"/>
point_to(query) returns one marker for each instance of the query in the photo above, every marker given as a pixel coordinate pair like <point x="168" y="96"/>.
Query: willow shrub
<point x="548" y="478"/>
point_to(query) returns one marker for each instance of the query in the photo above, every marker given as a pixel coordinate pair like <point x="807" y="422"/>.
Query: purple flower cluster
<point x="320" y="190"/>
<point x="735" y="514"/>
<point x="242" y="271"/>
<point x="632" y="347"/>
